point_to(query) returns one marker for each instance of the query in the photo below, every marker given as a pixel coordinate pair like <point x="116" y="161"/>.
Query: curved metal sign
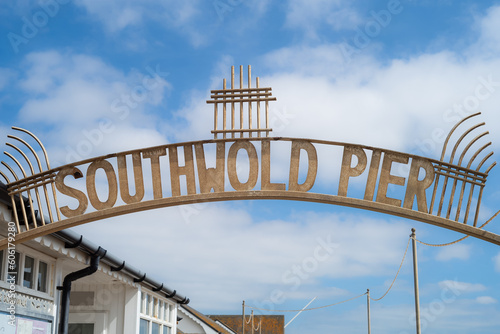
<point x="240" y="166"/>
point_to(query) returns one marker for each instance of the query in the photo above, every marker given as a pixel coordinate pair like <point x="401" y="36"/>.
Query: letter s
<point x="71" y="192"/>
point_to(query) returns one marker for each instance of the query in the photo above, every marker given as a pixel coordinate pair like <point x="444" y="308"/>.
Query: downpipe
<point x="66" y="287"/>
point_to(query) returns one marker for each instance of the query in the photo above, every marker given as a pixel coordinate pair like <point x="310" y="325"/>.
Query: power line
<point x="397" y="273"/>
<point x="307" y="309"/>
<point x="461" y="239"/>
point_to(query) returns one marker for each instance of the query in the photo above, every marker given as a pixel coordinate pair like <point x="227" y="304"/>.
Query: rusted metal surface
<point x="270" y="324"/>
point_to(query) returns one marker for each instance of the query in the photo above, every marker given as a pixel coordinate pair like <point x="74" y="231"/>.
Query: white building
<point x="194" y="322"/>
<point x="115" y="299"/>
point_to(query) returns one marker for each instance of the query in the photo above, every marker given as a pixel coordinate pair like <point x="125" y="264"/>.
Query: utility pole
<point x="415" y="280"/>
<point x="368" y="309"/>
<point x="243" y="319"/>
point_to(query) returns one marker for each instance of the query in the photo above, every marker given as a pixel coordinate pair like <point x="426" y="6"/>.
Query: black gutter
<point x="74" y="240"/>
<point x="66" y="287"/>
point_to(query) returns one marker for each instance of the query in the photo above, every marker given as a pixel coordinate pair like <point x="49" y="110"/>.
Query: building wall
<point x="109" y="299"/>
<point x="99" y="303"/>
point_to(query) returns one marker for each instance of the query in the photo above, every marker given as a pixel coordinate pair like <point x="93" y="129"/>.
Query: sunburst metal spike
<point x="51" y="217"/>
<point x="29" y="194"/>
<point x="37" y="194"/>
<point x="30" y="148"/>
<point x="11" y="170"/>
<point x="23" y="209"/>
<point x="491" y="166"/>
<point x="477" y="153"/>
<point x="453" y="130"/>
<point x="483" y="161"/>
<point x="47" y="162"/>
<point x="38" y="141"/>
<point x="462" y="156"/>
<point x="5" y="177"/>
<point x="462" y="138"/>
<point x="24" y="156"/>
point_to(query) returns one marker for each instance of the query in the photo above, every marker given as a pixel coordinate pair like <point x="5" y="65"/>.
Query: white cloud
<point x="117" y="16"/>
<point x="228" y="248"/>
<point x="6" y="77"/>
<point x="496" y="261"/>
<point x="489" y="25"/>
<point x="461" y="287"/>
<point x="486" y="300"/>
<point x="309" y="16"/>
<point x="457" y="251"/>
<point x="92" y="105"/>
<point x="408" y="105"/>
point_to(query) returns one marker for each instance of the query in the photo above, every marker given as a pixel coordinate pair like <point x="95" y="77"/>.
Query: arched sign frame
<point x="438" y="192"/>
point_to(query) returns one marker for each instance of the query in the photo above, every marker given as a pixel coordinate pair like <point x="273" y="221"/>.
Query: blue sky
<point x="381" y="73"/>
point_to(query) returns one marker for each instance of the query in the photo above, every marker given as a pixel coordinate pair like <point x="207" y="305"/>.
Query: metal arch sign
<point x="443" y="193"/>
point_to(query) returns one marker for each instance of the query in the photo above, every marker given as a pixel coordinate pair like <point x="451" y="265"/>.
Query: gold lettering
<point x="372" y="175"/>
<point x="176" y="171"/>
<point x="112" y="185"/>
<point x="312" y="170"/>
<point x="138" y="177"/>
<point x="266" y="169"/>
<point x="386" y="177"/>
<point x="417" y="187"/>
<point x="155" y="155"/>
<point x="347" y="170"/>
<point x="211" y="178"/>
<point x="253" y="172"/>
<point x="71" y="192"/>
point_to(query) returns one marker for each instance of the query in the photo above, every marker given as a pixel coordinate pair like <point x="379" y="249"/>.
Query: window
<point x="1" y="264"/>
<point x="80" y="328"/>
<point x="16" y="267"/>
<point x="156" y="315"/>
<point x="144" y="327"/>
<point x="43" y="269"/>
<point x="28" y="272"/>
<point x="155" y="307"/>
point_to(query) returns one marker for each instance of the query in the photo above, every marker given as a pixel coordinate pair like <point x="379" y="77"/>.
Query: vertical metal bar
<point x="14" y="210"/>
<point x="258" y="107"/>
<point x="478" y="205"/>
<point x="368" y="309"/>
<point x="224" y="109"/>
<point x="415" y="280"/>
<point x="30" y="200"/>
<point x="436" y="183"/>
<point x="58" y="211"/>
<point x="241" y="103"/>
<point x="35" y="189"/>
<point x="469" y="201"/>
<point x="232" y="103"/>
<point x="267" y="118"/>
<point x="452" y="197"/>
<point x="249" y="102"/>
<point x="442" y="195"/>
<point x="47" y="200"/>
<point x="460" y="200"/>
<point x="23" y="210"/>
<point x="48" y="166"/>
<point x="216" y="118"/>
